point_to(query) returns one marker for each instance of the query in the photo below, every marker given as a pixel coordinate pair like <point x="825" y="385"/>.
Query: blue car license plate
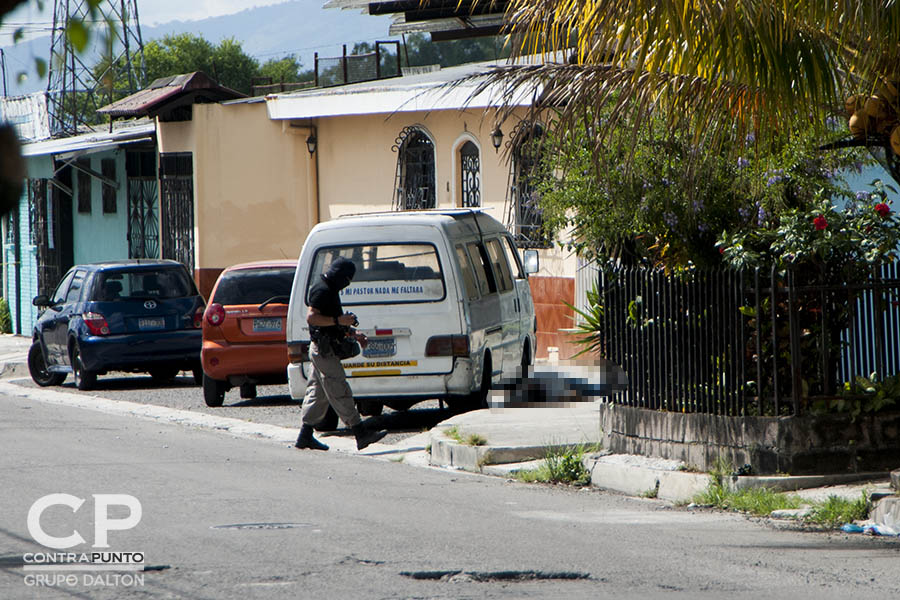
<point x="263" y="324"/>
<point x="156" y="323"/>
<point x="380" y="348"/>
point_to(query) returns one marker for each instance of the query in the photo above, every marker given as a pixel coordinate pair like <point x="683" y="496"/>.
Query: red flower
<point x="882" y="209"/>
<point x="820" y="223"/>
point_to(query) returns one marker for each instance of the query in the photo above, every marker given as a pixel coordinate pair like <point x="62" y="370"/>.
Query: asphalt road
<point x="236" y="518"/>
<point x="273" y="404"/>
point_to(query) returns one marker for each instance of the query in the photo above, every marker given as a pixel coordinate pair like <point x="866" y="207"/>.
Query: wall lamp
<point x="496" y="137"/>
<point x="311" y="142"/>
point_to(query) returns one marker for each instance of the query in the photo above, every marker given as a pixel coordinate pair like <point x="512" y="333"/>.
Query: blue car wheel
<point x="84" y="380"/>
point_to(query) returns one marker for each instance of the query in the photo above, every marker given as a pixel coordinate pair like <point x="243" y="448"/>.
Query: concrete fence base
<point x="791" y="445"/>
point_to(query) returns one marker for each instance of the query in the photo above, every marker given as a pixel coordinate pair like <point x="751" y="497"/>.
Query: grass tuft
<point x="832" y="513"/>
<point x="473" y="439"/>
<point x="561" y="465"/>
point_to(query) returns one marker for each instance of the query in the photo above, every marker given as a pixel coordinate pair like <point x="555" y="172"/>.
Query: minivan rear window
<point x="255" y="286"/>
<point x="143" y="284"/>
<point x="386" y="273"/>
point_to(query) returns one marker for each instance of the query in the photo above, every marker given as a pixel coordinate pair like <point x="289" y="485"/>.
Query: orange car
<point x="243" y="329"/>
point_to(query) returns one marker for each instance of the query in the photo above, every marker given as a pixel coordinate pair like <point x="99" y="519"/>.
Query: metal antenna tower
<point x="76" y="89"/>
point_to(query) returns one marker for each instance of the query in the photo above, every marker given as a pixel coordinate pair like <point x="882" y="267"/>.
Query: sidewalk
<point x="500" y="441"/>
<point x="14" y="355"/>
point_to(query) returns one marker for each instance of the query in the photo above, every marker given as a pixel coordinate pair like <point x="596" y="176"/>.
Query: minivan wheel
<point x="37" y="366"/>
<point x="84" y="379"/>
<point x="213" y="391"/>
<point x="370" y="408"/>
<point x="478" y="398"/>
<point x="329" y="423"/>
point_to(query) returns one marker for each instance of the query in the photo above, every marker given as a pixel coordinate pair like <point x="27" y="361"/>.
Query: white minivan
<point x="442" y="295"/>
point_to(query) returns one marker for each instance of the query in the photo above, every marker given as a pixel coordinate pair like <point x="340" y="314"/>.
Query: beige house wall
<point x="258" y="191"/>
<point x="357" y="166"/>
<point x="253" y="180"/>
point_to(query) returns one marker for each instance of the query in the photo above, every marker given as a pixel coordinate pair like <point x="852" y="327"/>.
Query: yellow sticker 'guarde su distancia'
<point x="379" y="367"/>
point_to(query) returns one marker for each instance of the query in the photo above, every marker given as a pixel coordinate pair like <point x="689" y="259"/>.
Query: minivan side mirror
<point x="41" y="300"/>
<point x="530" y="261"/>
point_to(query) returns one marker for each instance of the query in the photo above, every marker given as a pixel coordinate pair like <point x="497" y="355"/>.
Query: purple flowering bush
<point x="659" y="199"/>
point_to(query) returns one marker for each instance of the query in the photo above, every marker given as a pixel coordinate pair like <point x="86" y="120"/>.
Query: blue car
<point x="131" y="315"/>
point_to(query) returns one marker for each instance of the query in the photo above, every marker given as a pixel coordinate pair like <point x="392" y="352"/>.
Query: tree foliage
<point x="226" y="62"/>
<point x="645" y="206"/>
<point x="708" y="68"/>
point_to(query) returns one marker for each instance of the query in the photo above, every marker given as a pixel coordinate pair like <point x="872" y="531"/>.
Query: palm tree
<point x="719" y="69"/>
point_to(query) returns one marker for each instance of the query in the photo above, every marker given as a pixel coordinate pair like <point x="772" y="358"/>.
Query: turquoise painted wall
<point x="99" y="236"/>
<point x="96" y="236"/>
<point x="38" y="167"/>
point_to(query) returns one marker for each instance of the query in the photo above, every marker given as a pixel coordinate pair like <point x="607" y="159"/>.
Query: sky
<point x="151" y="12"/>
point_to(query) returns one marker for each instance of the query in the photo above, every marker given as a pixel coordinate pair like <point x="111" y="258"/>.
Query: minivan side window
<point x="500" y="265"/>
<point x="75" y="288"/>
<point x="483" y="273"/>
<point x="468" y="272"/>
<point x="514" y="260"/>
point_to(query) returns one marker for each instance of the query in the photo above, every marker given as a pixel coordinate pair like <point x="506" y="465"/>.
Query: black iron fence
<point x="752" y="342"/>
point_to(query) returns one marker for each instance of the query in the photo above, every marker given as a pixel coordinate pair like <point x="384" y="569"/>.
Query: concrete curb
<point x="798" y="482"/>
<point x="446" y="452"/>
<point x="654" y="478"/>
<point x="887" y="512"/>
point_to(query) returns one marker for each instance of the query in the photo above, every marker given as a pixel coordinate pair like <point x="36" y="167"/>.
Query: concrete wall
<point x="803" y="445"/>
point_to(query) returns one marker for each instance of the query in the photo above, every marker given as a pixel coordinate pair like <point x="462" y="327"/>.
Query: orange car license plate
<point x="266" y="324"/>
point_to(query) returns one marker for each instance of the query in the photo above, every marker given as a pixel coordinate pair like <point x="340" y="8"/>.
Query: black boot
<point x="306" y="440"/>
<point x="366" y="436"/>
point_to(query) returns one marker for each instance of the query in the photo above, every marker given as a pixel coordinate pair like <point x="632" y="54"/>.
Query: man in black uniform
<point x="327" y="384"/>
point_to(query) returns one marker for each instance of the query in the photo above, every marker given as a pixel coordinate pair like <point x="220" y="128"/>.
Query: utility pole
<point x="75" y="90"/>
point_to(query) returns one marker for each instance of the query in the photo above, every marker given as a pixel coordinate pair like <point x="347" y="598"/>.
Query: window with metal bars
<point x="470" y="175"/>
<point x="525" y="215"/>
<point x="415" y="179"/>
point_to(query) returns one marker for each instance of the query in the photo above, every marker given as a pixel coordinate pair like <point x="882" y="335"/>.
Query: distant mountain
<point x="301" y="27"/>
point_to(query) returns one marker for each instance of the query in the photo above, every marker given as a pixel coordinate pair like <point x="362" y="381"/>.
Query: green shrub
<point x="5" y="318"/>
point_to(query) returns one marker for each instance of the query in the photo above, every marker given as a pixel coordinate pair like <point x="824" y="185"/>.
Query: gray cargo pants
<point x="327" y="385"/>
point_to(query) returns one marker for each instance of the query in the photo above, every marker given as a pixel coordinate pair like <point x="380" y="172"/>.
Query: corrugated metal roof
<point x="92" y="142"/>
<point x="165" y="90"/>
<point x="412" y="93"/>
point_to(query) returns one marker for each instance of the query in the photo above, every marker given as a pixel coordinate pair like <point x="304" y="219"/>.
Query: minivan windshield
<point x="386" y="273"/>
<point x="143" y="284"/>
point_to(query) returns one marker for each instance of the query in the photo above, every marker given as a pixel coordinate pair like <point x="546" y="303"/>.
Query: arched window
<point x="414" y="181"/>
<point x="524" y="214"/>
<point x="470" y="175"/>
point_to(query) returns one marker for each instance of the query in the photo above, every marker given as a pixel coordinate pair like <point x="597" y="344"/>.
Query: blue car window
<point x="142" y="284"/>
<point x="59" y="296"/>
<point x="74" y="292"/>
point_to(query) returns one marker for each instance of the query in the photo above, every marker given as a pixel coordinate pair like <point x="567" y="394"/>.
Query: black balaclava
<point x="339" y="274"/>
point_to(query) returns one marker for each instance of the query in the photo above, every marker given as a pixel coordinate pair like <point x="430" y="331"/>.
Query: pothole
<point x="12" y="562"/>
<point x="262" y="526"/>
<point x="486" y="576"/>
